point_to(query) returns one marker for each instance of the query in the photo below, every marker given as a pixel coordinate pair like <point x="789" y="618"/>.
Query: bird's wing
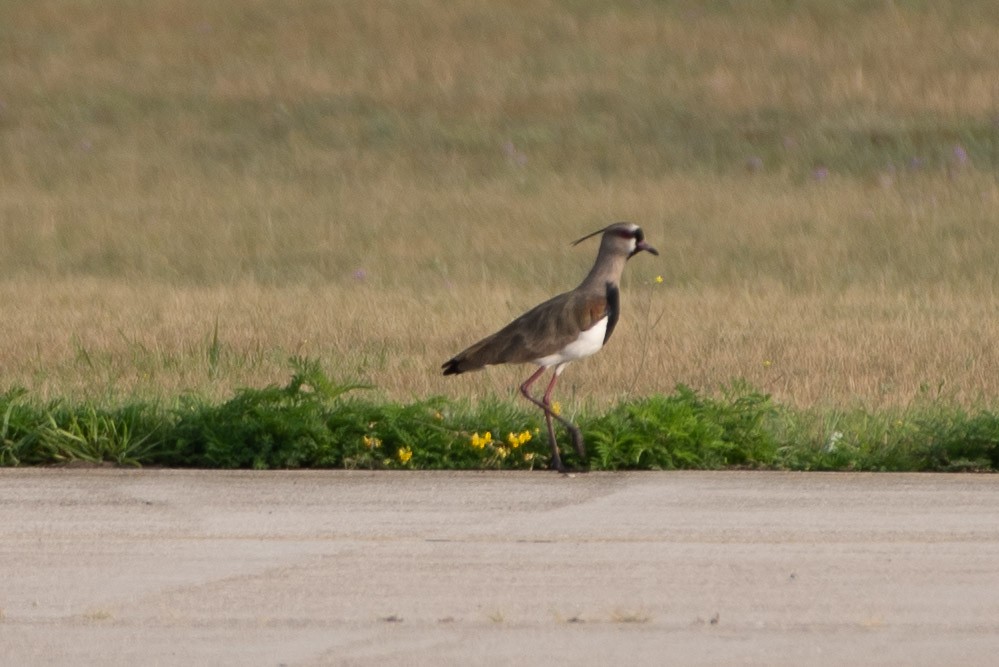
<point x="543" y="330"/>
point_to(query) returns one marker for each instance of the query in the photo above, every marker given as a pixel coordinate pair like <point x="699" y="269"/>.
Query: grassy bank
<point x="310" y="422"/>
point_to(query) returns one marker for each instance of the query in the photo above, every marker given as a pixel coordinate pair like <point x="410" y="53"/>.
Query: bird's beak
<point x="642" y="245"/>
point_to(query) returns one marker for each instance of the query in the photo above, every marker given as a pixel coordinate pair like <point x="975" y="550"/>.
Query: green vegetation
<point x="313" y="422"/>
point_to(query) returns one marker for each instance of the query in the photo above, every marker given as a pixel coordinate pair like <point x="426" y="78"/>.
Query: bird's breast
<point x="588" y="342"/>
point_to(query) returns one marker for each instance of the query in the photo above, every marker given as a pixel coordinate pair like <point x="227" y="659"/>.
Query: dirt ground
<point x="164" y="567"/>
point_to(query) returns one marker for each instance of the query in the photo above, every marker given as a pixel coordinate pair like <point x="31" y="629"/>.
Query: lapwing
<point x="570" y="326"/>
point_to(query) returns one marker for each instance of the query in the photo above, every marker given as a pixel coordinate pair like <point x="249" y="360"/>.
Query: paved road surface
<point x="166" y="567"/>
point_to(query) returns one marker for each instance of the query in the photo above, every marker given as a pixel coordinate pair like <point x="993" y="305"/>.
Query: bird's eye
<point x="635" y="234"/>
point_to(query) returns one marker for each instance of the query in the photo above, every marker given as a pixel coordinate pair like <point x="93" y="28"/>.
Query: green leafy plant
<point x="273" y="427"/>
<point x="684" y="430"/>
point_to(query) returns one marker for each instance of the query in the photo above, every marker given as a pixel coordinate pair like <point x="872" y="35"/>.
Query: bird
<point x="563" y="329"/>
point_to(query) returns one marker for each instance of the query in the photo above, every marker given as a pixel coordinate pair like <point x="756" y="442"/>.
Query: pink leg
<point x="525" y="389"/>
<point x="577" y="435"/>
<point x="546" y="406"/>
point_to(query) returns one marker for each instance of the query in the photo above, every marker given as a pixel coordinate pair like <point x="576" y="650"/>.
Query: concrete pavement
<point x="166" y="567"/>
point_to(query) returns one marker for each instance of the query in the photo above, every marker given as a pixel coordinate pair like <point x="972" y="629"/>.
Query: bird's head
<point x="624" y="238"/>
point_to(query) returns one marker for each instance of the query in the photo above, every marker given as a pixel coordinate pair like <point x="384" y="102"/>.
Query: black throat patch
<point x="613" y="309"/>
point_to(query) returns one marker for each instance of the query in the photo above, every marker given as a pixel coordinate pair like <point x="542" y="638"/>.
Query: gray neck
<point x="607" y="269"/>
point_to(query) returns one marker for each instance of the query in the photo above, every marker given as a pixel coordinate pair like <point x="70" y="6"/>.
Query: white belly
<point x="589" y="342"/>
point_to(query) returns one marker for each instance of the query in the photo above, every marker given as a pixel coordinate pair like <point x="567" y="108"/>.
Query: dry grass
<point x="859" y="346"/>
<point x="379" y="184"/>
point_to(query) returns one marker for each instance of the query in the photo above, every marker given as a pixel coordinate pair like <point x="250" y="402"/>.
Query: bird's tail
<point x="452" y="366"/>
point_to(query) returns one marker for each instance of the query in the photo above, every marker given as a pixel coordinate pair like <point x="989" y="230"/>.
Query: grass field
<point x="191" y="193"/>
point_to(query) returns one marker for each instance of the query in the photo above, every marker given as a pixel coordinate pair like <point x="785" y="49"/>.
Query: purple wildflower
<point x="960" y="155"/>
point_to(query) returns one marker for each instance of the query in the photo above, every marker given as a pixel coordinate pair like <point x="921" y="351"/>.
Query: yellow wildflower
<point x="556" y="408"/>
<point x="503" y="452"/>
<point x="517" y="439"/>
<point x="480" y="442"/>
<point x="405" y="454"/>
<point x="659" y="280"/>
<point x="371" y="443"/>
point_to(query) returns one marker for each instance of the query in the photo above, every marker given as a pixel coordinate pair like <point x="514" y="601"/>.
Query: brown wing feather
<point x="543" y="330"/>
